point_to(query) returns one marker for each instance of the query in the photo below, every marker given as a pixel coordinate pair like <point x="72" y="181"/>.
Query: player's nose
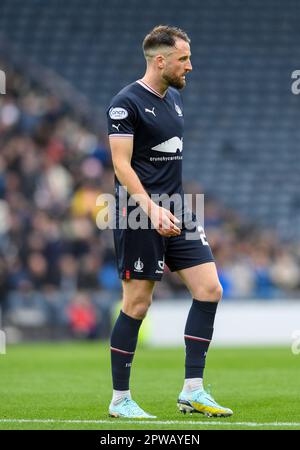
<point x="189" y="66"/>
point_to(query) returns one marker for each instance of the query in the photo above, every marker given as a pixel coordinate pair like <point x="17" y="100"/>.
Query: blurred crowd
<point x="53" y="166"/>
<point x="252" y="262"/>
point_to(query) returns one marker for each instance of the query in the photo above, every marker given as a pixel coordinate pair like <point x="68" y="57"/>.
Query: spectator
<point x="82" y="316"/>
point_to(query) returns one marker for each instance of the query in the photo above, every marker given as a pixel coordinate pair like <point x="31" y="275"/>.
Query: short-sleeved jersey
<point x="156" y="124"/>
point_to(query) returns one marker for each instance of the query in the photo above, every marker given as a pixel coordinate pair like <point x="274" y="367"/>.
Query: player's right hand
<point x="164" y="221"/>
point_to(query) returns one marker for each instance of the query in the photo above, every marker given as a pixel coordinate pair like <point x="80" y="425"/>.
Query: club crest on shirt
<point x="138" y="265"/>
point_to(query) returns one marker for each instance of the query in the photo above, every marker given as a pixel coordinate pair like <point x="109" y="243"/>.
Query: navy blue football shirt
<point x="156" y="124"/>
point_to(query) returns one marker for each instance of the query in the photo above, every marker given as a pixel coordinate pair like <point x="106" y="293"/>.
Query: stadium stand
<point x="240" y="115"/>
<point x="241" y="149"/>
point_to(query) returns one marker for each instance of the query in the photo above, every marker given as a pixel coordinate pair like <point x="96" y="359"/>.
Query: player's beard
<point x="174" y="81"/>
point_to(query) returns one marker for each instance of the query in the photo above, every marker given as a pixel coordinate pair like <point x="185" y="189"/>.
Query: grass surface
<point x="71" y="382"/>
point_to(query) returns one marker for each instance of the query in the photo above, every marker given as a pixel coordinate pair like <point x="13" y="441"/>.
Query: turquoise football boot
<point x="128" y="409"/>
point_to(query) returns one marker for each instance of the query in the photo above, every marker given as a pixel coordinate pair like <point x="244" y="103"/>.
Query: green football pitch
<point x="68" y="386"/>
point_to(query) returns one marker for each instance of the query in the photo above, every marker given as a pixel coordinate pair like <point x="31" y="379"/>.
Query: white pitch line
<point x="155" y="422"/>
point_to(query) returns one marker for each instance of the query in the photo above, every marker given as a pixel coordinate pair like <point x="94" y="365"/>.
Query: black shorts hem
<point x="137" y="276"/>
<point x="193" y="264"/>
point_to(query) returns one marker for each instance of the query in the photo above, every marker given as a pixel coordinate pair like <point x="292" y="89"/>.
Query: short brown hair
<point x="163" y="36"/>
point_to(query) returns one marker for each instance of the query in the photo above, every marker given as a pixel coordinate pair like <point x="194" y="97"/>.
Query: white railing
<point x="238" y="323"/>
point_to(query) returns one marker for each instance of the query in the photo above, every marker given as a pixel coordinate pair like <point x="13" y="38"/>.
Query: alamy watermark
<point x="2" y="343"/>
<point x="126" y="212"/>
<point x="296" y="342"/>
<point x="295" y="87"/>
<point x="2" y="340"/>
<point x="2" y="82"/>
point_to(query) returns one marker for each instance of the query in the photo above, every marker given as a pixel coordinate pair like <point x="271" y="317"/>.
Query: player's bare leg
<point x="203" y="282"/>
<point x="137" y="297"/>
<point x="204" y="285"/>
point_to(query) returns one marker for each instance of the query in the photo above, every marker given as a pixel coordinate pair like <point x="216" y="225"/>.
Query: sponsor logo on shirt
<point x="151" y="111"/>
<point x="170" y="146"/>
<point x="161" y="265"/>
<point x="118" y="113"/>
<point x="116" y="126"/>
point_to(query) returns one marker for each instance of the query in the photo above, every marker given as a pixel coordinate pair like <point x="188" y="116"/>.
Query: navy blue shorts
<point x="142" y="254"/>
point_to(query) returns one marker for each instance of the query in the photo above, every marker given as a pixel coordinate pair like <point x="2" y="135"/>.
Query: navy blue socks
<point x="123" y="344"/>
<point x="197" y="335"/>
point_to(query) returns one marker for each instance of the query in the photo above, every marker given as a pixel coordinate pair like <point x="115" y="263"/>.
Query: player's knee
<point x="212" y="292"/>
<point x="215" y="292"/>
<point x="138" y="307"/>
<point x="140" y="311"/>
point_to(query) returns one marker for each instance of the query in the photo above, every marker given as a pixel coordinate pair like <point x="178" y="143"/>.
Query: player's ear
<point x="160" y="61"/>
